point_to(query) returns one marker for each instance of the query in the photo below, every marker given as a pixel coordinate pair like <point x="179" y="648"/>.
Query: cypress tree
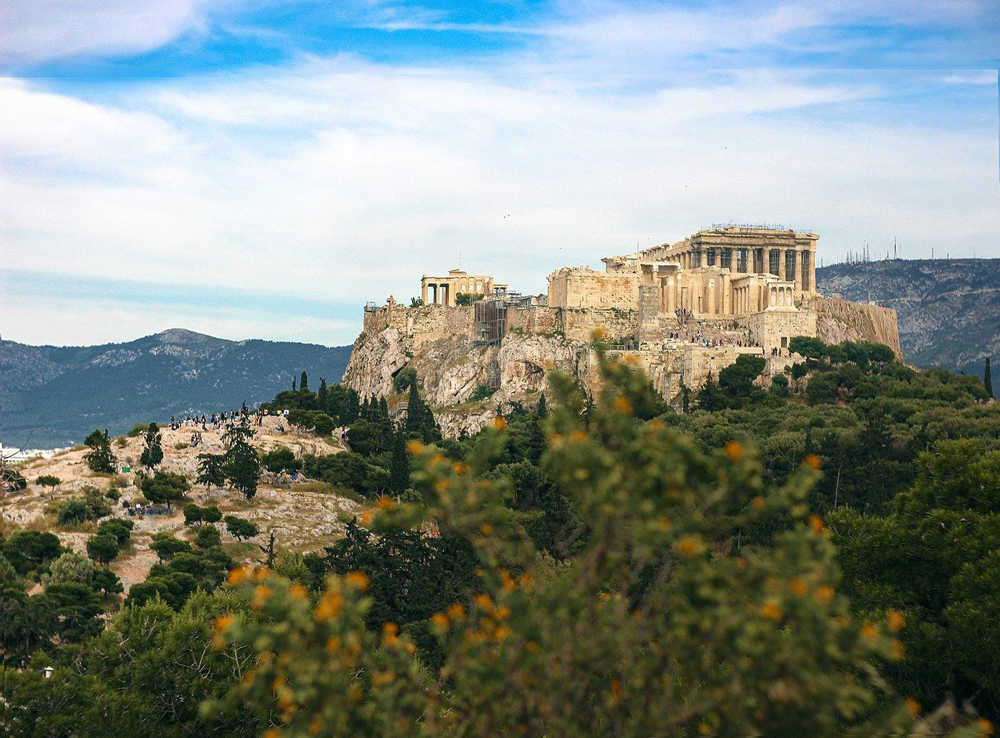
<point x="293" y="384"/>
<point x="304" y="381"/>
<point x="322" y="397"/>
<point x="988" y="378"/>
<point x="399" y="468"/>
<point x="543" y="411"/>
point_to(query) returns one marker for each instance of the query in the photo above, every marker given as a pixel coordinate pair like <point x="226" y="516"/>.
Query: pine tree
<point x="100" y="458"/>
<point x="304" y="381"/>
<point x="542" y="412"/>
<point x="152" y="455"/>
<point x="419" y="417"/>
<point x="242" y="464"/>
<point x="322" y="397"/>
<point x="399" y="468"/>
<point x="988" y="378"/>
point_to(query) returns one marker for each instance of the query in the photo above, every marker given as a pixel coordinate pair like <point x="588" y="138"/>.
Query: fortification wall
<point x="579" y="325"/>
<point x="423" y="324"/>
<point x="586" y="288"/>
<point x="839" y="320"/>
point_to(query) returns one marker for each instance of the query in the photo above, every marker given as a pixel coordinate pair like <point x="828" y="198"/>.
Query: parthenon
<point x="445" y="290"/>
<point x="724" y="271"/>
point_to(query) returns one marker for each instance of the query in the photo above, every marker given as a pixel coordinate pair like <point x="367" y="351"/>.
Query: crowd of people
<point x="218" y="420"/>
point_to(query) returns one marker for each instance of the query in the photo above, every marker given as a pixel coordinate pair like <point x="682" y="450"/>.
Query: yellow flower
<point x="316" y="726"/>
<point x="484" y="601"/>
<point x="816" y="523"/>
<point x="354" y="694"/>
<point x="771" y="611"/>
<point x="273" y="733"/>
<point x="869" y="631"/>
<point x="798" y="587"/>
<point x="414" y="447"/>
<point x="357" y="579"/>
<point x="623" y="405"/>
<point x="382" y="678"/>
<point x="485" y="529"/>
<point x="385" y="503"/>
<point x="297" y="592"/>
<point x="237" y="575"/>
<point x="508" y="584"/>
<point x="223" y="622"/>
<point x="366" y="517"/>
<point x="499" y="423"/>
<point x="734" y="450"/>
<point x="459" y="467"/>
<point x="579" y="435"/>
<point x="616" y="691"/>
<point x="986" y="726"/>
<point x="531" y="646"/>
<point x="456" y="611"/>
<point x="261" y="574"/>
<point x="502" y="612"/>
<point x="895" y="620"/>
<point x="689" y="546"/>
<point x="813" y="462"/>
<point x="913" y="706"/>
<point x="599" y="334"/>
<point x="260" y="595"/>
<point x="899" y="649"/>
<point x="758" y="502"/>
<point x="824" y="594"/>
<point x="390" y="633"/>
<point x="329" y="606"/>
<point x="333" y="645"/>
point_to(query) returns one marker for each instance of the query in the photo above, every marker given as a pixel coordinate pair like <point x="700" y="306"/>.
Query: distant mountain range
<point x="949" y="309"/>
<point x="53" y="396"/>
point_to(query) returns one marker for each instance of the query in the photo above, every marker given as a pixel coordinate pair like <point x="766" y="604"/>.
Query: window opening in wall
<point x="775" y="262"/>
<point x="790" y="265"/>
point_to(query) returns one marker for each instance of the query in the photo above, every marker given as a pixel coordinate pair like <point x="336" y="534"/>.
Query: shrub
<point x="239" y="528"/>
<point x="280" y="459"/>
<point x="207" y="536"/>
<point x="102" y="548"/>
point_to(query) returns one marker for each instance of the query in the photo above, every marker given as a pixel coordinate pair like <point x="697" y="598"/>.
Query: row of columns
<point x="441" y="292"/>
<point x="797" y="268"/>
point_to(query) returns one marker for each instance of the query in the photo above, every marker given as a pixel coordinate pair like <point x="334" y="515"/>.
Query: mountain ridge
<point x="54" y="395"/>
<point x="948" y="309"/>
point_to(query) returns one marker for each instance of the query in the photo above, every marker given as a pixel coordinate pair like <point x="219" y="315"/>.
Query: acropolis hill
<point x="680" y="311"/>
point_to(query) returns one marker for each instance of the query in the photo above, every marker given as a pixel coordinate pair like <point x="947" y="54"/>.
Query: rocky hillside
<point x="949" y="309"/>
<point x="58" y="395"/>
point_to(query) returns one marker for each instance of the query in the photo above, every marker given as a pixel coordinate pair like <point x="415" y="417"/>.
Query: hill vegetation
<point x="51" y="397"/>
<point x="813" y="557"/>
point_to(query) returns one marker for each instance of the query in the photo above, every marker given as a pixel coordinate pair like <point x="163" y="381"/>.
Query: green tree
<point x="280" y="459"/>
<point x="192" y="513"/>
<point x="399" y="465"/>
<point x="48" y="480"/>
<point x="207" y="537"/>
<point x="303" y="381"/>
<point x="240" y="528"/>
<point x="102" y="548"/>
<point x="242" y="464"/>
<point x="100" y="458"/>
<point x="118" y="528"/>
<point x="152" y="454"/>
<point x="70" y="567"/>
<point x="27" y="550"/>
<point x="211" y="470"/>
<point x="166" y="546"/>
<point x="988" y="378"/>
<point x="164" y="487"/>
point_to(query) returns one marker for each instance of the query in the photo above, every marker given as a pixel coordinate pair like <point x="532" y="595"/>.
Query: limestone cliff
<point x="839" y="320"/>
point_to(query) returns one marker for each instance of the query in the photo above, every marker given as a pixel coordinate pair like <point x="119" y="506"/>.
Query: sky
<point x="263" y="168"/>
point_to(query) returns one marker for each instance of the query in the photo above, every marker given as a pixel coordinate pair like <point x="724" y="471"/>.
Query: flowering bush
<point x="661" y="624"/>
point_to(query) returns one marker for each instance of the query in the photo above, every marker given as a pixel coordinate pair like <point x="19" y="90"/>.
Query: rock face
<point x="839" y="320"/>
<point x="374" y="361"/>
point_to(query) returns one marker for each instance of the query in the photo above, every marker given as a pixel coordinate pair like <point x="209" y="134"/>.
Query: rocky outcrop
<point x="839" y="320"/>
<point x="374" y="361"/>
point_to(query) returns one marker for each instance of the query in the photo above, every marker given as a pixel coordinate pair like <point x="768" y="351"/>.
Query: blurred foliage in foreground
<point x="655" y="626"/>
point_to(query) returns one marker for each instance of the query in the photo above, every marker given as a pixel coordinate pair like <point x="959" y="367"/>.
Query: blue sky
<point x="262" y="168"/>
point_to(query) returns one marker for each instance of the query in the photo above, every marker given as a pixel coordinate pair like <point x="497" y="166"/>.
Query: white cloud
<point x="39" y="30"/>
<point x="345" y="181"/>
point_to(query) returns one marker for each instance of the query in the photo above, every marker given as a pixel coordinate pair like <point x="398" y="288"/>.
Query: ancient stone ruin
<point x="680" y="311"/>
